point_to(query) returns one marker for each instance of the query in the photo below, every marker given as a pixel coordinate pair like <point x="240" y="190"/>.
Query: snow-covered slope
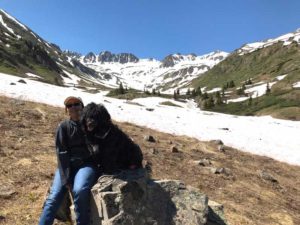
<point x="171" y="73"/>
<point x="286" y="39"/>
<point x="260" y="135"/>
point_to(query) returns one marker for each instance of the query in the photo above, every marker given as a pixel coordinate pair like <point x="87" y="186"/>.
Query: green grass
<point x="169" y="104"/>
<point x="262" y="64"/>
<point x="271" y="104"/>
<point x="133" y="93"/>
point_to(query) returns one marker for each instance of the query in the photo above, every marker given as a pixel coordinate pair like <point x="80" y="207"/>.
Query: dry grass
<point x="27" y="164"/>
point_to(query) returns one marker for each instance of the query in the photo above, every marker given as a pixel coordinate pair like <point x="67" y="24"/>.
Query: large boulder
<point x="131" y="198"/>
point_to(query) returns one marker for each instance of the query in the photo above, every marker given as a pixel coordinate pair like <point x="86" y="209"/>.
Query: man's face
<point x="74" y="110"/>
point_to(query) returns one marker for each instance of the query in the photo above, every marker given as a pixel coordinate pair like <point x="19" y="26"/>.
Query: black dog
<point x="112" y="149"/>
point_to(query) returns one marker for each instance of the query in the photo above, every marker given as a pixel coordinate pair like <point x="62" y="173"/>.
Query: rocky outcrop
<point x="89" y="58"/>
<point x="83" y="68"/>
<point x="122" y="58"/>
<point x="132" y="198"/>
<point x="171" y="60"/>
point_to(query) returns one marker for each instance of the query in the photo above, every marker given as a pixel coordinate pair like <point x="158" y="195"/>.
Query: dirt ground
<point x="28" y="162"/>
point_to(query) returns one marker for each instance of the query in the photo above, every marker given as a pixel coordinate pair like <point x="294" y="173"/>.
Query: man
<point x="76" y="170"/>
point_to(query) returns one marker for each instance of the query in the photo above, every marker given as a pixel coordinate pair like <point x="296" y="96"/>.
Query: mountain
<point x="274" y="62"/>
<point x="25" y="54"/>
<point x="173" y="72"/>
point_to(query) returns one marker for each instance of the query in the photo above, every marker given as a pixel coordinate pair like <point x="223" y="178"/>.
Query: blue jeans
<point x="84" y="179"/>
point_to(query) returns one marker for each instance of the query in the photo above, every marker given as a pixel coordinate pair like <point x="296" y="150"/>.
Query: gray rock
<point x="154" y="151"/>
<point x="267" y="176"/>
<point x="221" y="148"/>
<point x="217" y="142"/>
<point x="6" y="191"/>
<point x="221" y="170"/>
<point x="203" y="162"/>
<point x="174" y="149"/>
<point x="12" y="83"/>
<point x="215" y="214"/>
<point x="22" y="81"/>
<point x="149" y="138"/>
<point x="132" y="198"/>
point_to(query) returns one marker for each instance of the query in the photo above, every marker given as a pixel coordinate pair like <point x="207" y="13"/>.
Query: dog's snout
<point x="91" y="124"/>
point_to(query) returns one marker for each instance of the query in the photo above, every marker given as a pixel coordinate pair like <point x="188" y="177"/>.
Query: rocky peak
<point x="122" y="58"/>
<point x="90" y="58"/>
<point x="74" y="55"/>
<point x="173" y="59"/>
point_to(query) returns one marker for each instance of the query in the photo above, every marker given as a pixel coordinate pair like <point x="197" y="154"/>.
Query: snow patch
<point x="259" y="135"/>
<point x="5" y="25"/>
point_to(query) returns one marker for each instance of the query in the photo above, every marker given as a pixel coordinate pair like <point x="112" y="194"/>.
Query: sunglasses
<point x="74" y="104"/>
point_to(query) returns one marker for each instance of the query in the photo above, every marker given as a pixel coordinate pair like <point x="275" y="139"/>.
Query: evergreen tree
<point x="231" y="84"/>
<point x="178" y="92"/>
<point x="240" y="91"/>
<point x="188" y="92"/>
<point x="204" y="96"/>
<point x="193" y="93"/>
<point x="175" y="95"/>
<point x="250" y="101"/>
<point x="218" y="99"/>
<point x="223" y="92"/>
<point x="244" y="87"/>
<point x="198" y="91"/>
<point x="158" y="93"/>
<point x="153" y="91"/>
<point x="268" y="90"/>
<point x="121" y="89"/>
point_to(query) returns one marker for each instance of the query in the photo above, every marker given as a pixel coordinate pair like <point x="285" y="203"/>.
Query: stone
<point x="149" y="138"/>
<point x="267" y="176"/>
<point x="215" y="214"/>
<point x="12" y="83"/>
<point x="217" y="142"/>
<point x="22" y="81"/>
<point x="6" y="191"/>
<point x="150" y="109"/>
<point x="174" y="149"/>
<point x="221" y="148"/>
<point x="130" y="197"/>
<point x="154" y="151"/>
<point x="221" y="170"/>
<point x="203" y="162"/>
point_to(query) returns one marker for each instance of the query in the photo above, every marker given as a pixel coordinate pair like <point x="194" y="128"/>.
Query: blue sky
<point x="155" y="28"/>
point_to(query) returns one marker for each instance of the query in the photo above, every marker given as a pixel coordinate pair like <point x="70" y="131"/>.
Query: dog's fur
<point x="116" y="150"/>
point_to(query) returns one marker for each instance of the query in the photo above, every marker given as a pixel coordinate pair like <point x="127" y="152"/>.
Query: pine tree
<point x="218" y="99"/>
<point x="193" y="93"/>
<point x="268" y="90"/>
<point x="223" y="92"/>
<point x="175" y="95"/>
<point x="158" y="93"/>
<point x="188" y="92"/>
<point x="231" y="84"/>
<point x="153" y="91"/>
<point x="178" y="92"/>
<point x="121" y="89"/>
<point x="204" y="96"/>
<point x="250" y="101"/>
<point x="198" y="91"/>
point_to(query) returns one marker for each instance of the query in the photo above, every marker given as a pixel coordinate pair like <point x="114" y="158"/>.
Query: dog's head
<point x="95" y="119"/>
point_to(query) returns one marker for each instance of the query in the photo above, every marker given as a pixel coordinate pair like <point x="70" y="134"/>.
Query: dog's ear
<point x="104" y="114"/>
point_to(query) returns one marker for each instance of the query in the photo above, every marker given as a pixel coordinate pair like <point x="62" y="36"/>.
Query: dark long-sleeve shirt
<point x="71" y="148"/>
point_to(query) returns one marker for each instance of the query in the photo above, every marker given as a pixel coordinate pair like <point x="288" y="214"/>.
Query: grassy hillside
<point x="262" y="65"/>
